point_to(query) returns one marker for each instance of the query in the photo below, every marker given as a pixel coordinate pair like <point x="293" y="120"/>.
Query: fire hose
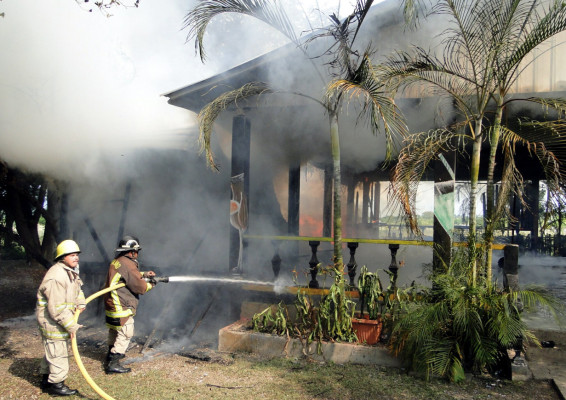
<point x="80" y="364"/>
<point x="74" y="346"/>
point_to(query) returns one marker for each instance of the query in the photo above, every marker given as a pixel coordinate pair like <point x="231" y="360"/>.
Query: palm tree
<point x="352" y="71"/>
<point x="485" y="51"/>
<point x="457" y="327"/>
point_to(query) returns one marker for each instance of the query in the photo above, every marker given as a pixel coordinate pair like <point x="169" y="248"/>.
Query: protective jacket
<point x="122" y="303"/>
<point x="58" y="297"/>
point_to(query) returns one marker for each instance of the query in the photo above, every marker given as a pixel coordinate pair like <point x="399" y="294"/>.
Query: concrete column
<point x="241" y="128"/>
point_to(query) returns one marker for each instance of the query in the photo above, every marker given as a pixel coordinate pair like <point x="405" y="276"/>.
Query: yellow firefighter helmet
<point x="67" y="247"/>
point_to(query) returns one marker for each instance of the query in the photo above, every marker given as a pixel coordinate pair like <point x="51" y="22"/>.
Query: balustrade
<point x="314" y="262"/>
<point x="352" y="265"/>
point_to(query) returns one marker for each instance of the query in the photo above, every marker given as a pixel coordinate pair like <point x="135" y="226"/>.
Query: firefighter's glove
<point x="151" y="280"/>
<point x="73" y="329"/>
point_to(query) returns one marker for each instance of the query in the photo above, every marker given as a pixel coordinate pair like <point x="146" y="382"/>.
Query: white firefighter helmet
<point x="128" y="243"/>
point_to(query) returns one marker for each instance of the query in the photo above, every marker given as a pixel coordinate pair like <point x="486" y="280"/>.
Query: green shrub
<point x="457" y="327"/>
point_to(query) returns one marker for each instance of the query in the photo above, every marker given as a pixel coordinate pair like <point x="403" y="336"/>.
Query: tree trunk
<point x="26" y="228"/>
<point x="337" y="234"/>
<point x="491" y="217"/>
<point x="474" y="177"/>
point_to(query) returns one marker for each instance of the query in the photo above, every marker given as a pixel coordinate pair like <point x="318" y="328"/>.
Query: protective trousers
<point x="56" y="360"/>
<point x="119" y="340"/>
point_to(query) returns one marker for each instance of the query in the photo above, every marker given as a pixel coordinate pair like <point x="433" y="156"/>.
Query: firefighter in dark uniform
<point x="120" y="305"/>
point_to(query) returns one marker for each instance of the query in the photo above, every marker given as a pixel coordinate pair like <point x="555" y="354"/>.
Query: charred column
<point x="293" y="211"/>
<point x="241" y="128"/>
<point x="276" y="260"/>
<point x="293" y="205"/>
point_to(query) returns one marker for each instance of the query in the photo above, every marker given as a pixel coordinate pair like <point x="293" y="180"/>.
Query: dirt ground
<point x="203" y="374"/>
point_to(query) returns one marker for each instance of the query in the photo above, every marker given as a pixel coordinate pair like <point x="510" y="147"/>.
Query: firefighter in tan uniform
<point x="58" y="297"/>
<point x="120" y="305"/>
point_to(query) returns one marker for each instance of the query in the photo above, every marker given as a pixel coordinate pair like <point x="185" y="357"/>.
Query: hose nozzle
<point x="154" y="280"/>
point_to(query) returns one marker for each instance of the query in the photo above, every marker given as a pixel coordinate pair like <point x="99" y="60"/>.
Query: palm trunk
<point x="474" y="177"/>
<point x="342" y="314"/>
<point x="490" y="209"/>
<point x="337" y="234"/>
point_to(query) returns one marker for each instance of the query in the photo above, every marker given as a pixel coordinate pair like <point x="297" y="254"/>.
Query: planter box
<point x="237" y="338"/>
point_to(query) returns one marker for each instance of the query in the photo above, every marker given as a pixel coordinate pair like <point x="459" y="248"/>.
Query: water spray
<point x="154" y="280"/>
<point x="191" y="278"/>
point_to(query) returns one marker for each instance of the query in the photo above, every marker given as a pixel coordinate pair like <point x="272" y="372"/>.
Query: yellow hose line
<point x="82" y="368"/>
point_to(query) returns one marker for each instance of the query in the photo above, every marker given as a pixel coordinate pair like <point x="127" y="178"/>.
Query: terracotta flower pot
<point x="367" y="330"/>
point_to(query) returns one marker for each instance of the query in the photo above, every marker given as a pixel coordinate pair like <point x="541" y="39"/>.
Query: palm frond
<point x="268" y="11"/>
<point x="429" y="76"/>
<point x="533" y="296"/>
<point x="547" y="140"/>
<point x="511" y="178"/>
<point x="412" y="11"/>
<point x="549" y="105"/>
<point x="210" y="112"/>
<point x="377" y="103"/>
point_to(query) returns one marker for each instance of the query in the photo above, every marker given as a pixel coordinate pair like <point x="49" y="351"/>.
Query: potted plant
<point x="374" y="301"/>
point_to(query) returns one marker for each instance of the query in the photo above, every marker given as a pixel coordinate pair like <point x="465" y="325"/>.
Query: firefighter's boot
<point x="44" y="382"/>
<point x="60" y="389"/>
<point x="114" y="366"/>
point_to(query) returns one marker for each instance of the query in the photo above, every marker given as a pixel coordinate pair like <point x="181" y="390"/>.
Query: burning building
<point x="281" y="145"/>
